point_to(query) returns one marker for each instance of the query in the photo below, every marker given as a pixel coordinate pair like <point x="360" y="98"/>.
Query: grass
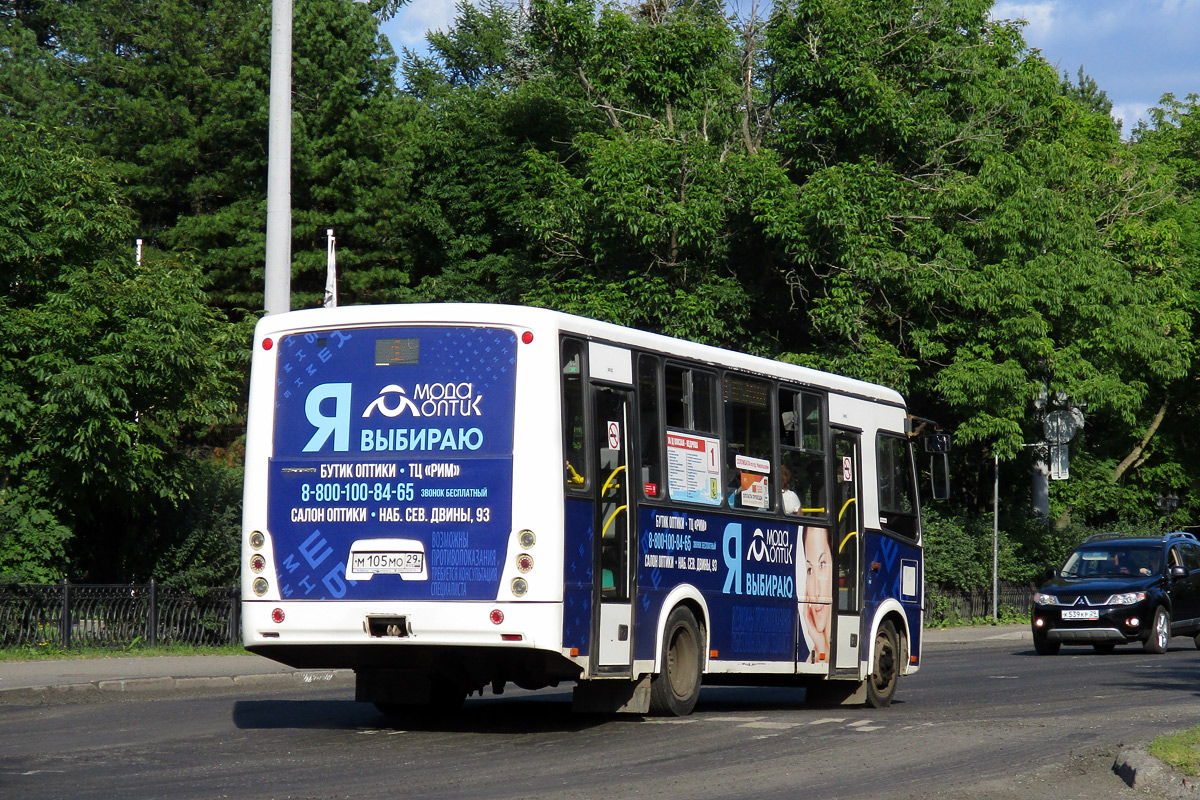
<point x="47" y="653"/>
<point x="1181" y="750"/>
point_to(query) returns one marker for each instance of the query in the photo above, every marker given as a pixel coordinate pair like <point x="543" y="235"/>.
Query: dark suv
<point x="1119" y="589"/>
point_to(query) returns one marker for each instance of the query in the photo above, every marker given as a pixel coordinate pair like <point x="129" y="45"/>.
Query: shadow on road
<point x="525" y="714"/>
<point x="520" y="714"/>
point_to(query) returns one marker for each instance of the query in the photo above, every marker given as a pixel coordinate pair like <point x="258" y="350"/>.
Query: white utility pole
<point x="277" y="285"/>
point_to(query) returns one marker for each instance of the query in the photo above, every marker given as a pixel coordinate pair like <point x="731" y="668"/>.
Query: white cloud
<point x="1040" y="16"/>
<point x="409" y="26"/>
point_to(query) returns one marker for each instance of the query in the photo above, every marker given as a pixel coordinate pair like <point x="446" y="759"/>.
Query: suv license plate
<point x="1083" y="613"/>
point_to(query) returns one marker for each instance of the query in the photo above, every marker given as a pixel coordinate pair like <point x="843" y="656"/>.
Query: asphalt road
<point x="981" y="721"/>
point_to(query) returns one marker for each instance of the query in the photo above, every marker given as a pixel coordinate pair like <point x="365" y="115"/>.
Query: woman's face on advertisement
<point x="819" y="567"/>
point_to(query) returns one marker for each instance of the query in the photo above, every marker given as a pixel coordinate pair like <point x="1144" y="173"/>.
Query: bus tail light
<point x="519" y="586"/>
<point x="277" y="615"/>
<point x="511" y="637"/>
<point x="260" y="586"/>
<point x="497" y="616"/>
<point x="524" y="562"/>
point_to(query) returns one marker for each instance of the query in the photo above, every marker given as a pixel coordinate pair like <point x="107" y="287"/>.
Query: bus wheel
<point x="675" y="690"/>
<point x="881" y="683"/>
<point x="445" y="699"/>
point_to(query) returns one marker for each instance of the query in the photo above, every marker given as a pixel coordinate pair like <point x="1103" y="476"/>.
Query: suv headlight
<point x="1126" y="599"/>
<point x="1045" y="599"/>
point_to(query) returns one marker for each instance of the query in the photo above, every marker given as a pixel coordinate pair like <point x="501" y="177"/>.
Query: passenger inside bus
<point x="791" y="500"/>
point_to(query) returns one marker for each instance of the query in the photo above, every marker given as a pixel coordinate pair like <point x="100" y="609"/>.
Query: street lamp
<point x="1167" y="502"/>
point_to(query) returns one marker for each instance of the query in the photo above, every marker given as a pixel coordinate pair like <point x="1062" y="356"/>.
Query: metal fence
<point x="67" y="615"/>
<point x="953" y="605"/>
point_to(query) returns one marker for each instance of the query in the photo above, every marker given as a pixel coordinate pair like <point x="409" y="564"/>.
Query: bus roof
<point x="510" y="315"/>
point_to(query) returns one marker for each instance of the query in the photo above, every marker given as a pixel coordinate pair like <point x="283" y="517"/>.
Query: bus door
<point x="613" y="625"/>
<point x="847" y="547"/>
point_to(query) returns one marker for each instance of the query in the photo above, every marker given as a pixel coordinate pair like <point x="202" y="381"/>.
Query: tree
<point x="113" y="371"/>
<point x="966" y="232"/>
<point x="174" y="94"/>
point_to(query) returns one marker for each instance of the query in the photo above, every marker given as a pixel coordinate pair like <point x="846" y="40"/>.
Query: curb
<point x="72" y="692"/>
<point x="1140" y="771"/>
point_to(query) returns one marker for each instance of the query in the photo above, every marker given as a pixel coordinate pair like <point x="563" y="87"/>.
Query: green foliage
<point x="112" y="370"/>
<point x="902" y="193"/>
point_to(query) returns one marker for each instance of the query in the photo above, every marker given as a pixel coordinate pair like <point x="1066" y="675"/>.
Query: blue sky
<point x="1135" y="50"/>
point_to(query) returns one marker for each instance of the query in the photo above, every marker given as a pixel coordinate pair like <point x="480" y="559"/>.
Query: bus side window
<point x="897" y="486"/>
<point x="748" y="437"/>
<point x="689" y="399"/>
<point x="574" y="434"/>
<point x="802" y="471"/>
<point x="651" y="436"/>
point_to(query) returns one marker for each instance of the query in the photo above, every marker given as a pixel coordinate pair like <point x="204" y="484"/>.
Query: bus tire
<point x="675" y="690"/>
<point x="885" y="674"/>
<point x="445" y="698"/>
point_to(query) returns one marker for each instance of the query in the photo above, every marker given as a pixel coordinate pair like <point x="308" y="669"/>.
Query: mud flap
<point x="616" y="696"/>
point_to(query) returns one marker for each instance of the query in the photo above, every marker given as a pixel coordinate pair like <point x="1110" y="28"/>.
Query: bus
<point x="450" y="497"/>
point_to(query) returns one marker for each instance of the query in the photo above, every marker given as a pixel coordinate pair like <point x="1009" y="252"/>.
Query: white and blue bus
<point x="448" y="497"/>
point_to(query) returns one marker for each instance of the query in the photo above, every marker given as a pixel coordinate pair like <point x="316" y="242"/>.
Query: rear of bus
<point x="379" y="531"/>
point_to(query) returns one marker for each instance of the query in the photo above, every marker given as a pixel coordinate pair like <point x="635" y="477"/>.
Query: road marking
<point x="825" y="720"/>
<point x="780" y="726"/>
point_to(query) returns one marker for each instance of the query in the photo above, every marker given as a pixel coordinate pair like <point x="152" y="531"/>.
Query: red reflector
<point x="268" y="344"/>
<point x="511" y="637"/>
<point x="527" y="337"/>
<point x="497" y="616"/>
<point x="277" y="615"/>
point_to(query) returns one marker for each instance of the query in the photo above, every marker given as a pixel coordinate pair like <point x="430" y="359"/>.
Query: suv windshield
<point x="1112" y="561"/>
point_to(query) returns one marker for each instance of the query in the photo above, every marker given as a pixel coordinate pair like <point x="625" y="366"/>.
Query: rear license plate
<point x="1082" y="613"/>
<point x="388" y="563"/>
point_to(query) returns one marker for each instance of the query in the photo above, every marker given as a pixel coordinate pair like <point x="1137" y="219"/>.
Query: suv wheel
<point x="1160" y="633"/>
<point x="1044" y="646"/>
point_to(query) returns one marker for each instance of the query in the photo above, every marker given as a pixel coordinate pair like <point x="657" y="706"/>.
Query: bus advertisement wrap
<point x="391" y="476"/>
<point x="755" y="567"/>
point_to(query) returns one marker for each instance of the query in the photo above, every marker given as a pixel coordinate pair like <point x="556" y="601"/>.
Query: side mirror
<point x="1176" y="572"/>
<point x="1051" y="573"/>
<point x="938" y="447"/>
<point x="937" y="443"/>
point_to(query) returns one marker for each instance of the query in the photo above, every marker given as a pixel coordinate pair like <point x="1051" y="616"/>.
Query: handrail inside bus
<point x="609" y="482"/>
<point x="611" y="517"/>
<point x="844" y="507"/>
<point x="849" y="536"/>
